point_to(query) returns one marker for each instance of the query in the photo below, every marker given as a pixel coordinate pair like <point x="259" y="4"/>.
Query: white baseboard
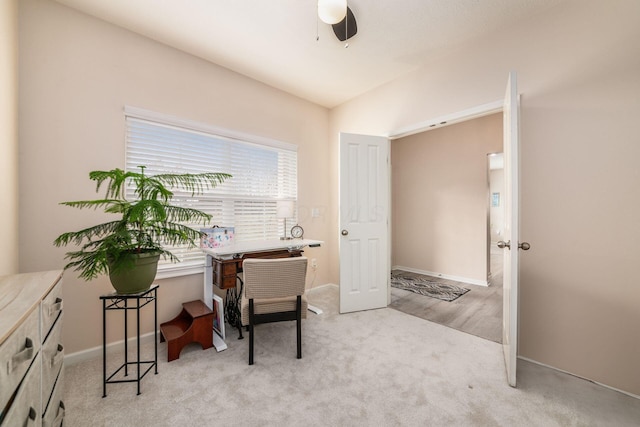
<point x="443" y="276"/>
<point x="95" y="352"/>
<point x="313" y="308"/>
<point x="322" y="286"/>
<point x="578" y="376"/>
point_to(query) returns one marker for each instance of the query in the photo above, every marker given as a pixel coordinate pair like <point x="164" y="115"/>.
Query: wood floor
<point x="478" y="312"/>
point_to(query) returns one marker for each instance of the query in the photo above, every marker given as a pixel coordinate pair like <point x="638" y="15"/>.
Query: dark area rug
<point x="427" y="287"/>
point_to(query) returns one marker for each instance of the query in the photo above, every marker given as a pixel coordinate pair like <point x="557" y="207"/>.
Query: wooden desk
<point x="225" y="271"/>
<point x="222" y="266"/>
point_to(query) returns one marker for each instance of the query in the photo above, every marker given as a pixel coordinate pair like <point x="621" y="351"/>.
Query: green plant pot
<point x="135" y="273"/>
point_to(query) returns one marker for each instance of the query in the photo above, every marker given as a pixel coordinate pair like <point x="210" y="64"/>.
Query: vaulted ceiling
<point x="283" y="44"/>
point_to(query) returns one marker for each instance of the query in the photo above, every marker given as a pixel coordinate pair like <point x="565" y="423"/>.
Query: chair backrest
<point x="274" y="278"/>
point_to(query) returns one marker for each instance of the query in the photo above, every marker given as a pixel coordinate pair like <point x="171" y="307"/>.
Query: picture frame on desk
<point x="218" y="316"/>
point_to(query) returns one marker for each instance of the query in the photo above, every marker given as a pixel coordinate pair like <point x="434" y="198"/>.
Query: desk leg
<point x="238" y="312"/>
<point x="232" y="308"/>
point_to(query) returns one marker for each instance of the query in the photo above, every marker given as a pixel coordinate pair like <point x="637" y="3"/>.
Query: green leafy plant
<point x="145" y="224"/>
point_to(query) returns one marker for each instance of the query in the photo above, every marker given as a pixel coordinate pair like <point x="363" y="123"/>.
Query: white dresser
<point x="31" y="351"/>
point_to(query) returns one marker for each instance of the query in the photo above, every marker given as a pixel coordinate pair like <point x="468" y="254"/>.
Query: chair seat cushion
<point x="272" y="305"/>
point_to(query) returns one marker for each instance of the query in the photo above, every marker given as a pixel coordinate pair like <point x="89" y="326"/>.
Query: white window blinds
<point x="263" y="172"/>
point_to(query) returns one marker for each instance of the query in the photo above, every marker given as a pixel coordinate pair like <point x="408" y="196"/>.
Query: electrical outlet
<point x="314" y="263"/>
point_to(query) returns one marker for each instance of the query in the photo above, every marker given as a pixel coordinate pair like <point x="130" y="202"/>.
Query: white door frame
<point x="449" y="119"/>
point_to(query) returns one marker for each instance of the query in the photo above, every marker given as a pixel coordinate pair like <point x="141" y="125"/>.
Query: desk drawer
<point x="51" y="308"/>
<point x="16" y="354"/>
<point x="224" y="273"/>
<point x="25" y="409"/>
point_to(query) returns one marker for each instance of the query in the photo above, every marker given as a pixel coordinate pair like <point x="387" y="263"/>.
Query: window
<point x="264" y="171"/>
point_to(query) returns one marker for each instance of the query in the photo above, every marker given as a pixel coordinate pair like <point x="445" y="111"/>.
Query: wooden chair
<point x="274" y="291"/>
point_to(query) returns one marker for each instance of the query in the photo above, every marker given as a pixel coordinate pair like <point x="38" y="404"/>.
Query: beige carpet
<point x="373" y="368"/>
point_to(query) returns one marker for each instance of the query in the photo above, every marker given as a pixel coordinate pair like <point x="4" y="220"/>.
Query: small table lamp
<point x="284" y="210"/>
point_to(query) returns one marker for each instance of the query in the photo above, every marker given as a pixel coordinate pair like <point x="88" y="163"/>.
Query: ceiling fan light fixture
<point x="332" y="11"/>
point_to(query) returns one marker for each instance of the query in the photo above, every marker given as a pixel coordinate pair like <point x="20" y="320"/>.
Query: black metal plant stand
<point x="117" y="301"/>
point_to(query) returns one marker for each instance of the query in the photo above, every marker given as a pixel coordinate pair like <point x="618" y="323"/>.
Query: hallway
<point x="478" y="312"/>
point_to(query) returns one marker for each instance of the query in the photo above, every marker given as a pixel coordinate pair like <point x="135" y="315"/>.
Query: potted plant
<point x="128" y="248"/>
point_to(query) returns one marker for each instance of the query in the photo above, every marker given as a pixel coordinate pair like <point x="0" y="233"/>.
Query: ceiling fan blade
<point x="346" y="28"/>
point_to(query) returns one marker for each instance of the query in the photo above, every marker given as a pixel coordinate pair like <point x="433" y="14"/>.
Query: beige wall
<point x="8" y="137"/>
<point x="579" y="76"/>
<point x="77" y="73"/>
<point x="439" y="196"/>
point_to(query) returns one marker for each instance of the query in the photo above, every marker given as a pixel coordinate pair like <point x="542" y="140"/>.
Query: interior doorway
<point x="441" y="224"/>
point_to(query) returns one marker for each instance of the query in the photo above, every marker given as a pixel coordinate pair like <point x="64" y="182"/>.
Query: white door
<point x="364" y="225"/>
<point x="510" y="243"/>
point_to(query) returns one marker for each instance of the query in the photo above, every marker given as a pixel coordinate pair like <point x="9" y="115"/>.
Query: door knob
<point x="502" y="244"/>
<point x="524" y="246"/>
<point x="344" y="232"/>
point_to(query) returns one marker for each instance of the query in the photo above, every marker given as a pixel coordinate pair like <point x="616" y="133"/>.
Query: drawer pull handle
<point x="55" y="307"/>
<point x="57" y="422"/>
<point x="21" y="357"/>
<point x="57" y="357"/>
<point x="60" y="416"/>
<point x="31" y="417"/>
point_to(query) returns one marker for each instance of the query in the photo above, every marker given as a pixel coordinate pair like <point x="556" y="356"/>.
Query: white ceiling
<point x="274" y="41"/>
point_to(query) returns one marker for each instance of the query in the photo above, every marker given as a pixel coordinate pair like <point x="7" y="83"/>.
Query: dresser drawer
<point x="51" y="308"/>
<point x="16" y="354"/>
<point x="25" y="409"/>
<point x="54" y="413"/>
<point x="52" y="358"/>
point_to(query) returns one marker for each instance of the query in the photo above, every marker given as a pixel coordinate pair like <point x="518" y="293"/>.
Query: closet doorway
<point x="442" y="229"/>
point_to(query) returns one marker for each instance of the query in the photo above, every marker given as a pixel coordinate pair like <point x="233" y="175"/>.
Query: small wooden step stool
<point x="193" y="324"/>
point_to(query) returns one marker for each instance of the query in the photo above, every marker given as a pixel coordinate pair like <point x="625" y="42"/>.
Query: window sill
<point x="177" y="271"/>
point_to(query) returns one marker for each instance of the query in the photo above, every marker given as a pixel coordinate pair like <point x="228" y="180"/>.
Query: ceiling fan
<point x="340" y="16"/>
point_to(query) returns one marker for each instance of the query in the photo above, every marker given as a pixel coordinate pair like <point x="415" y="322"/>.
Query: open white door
<point x="511" y="235"/>
<point x="364" y="225"/>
